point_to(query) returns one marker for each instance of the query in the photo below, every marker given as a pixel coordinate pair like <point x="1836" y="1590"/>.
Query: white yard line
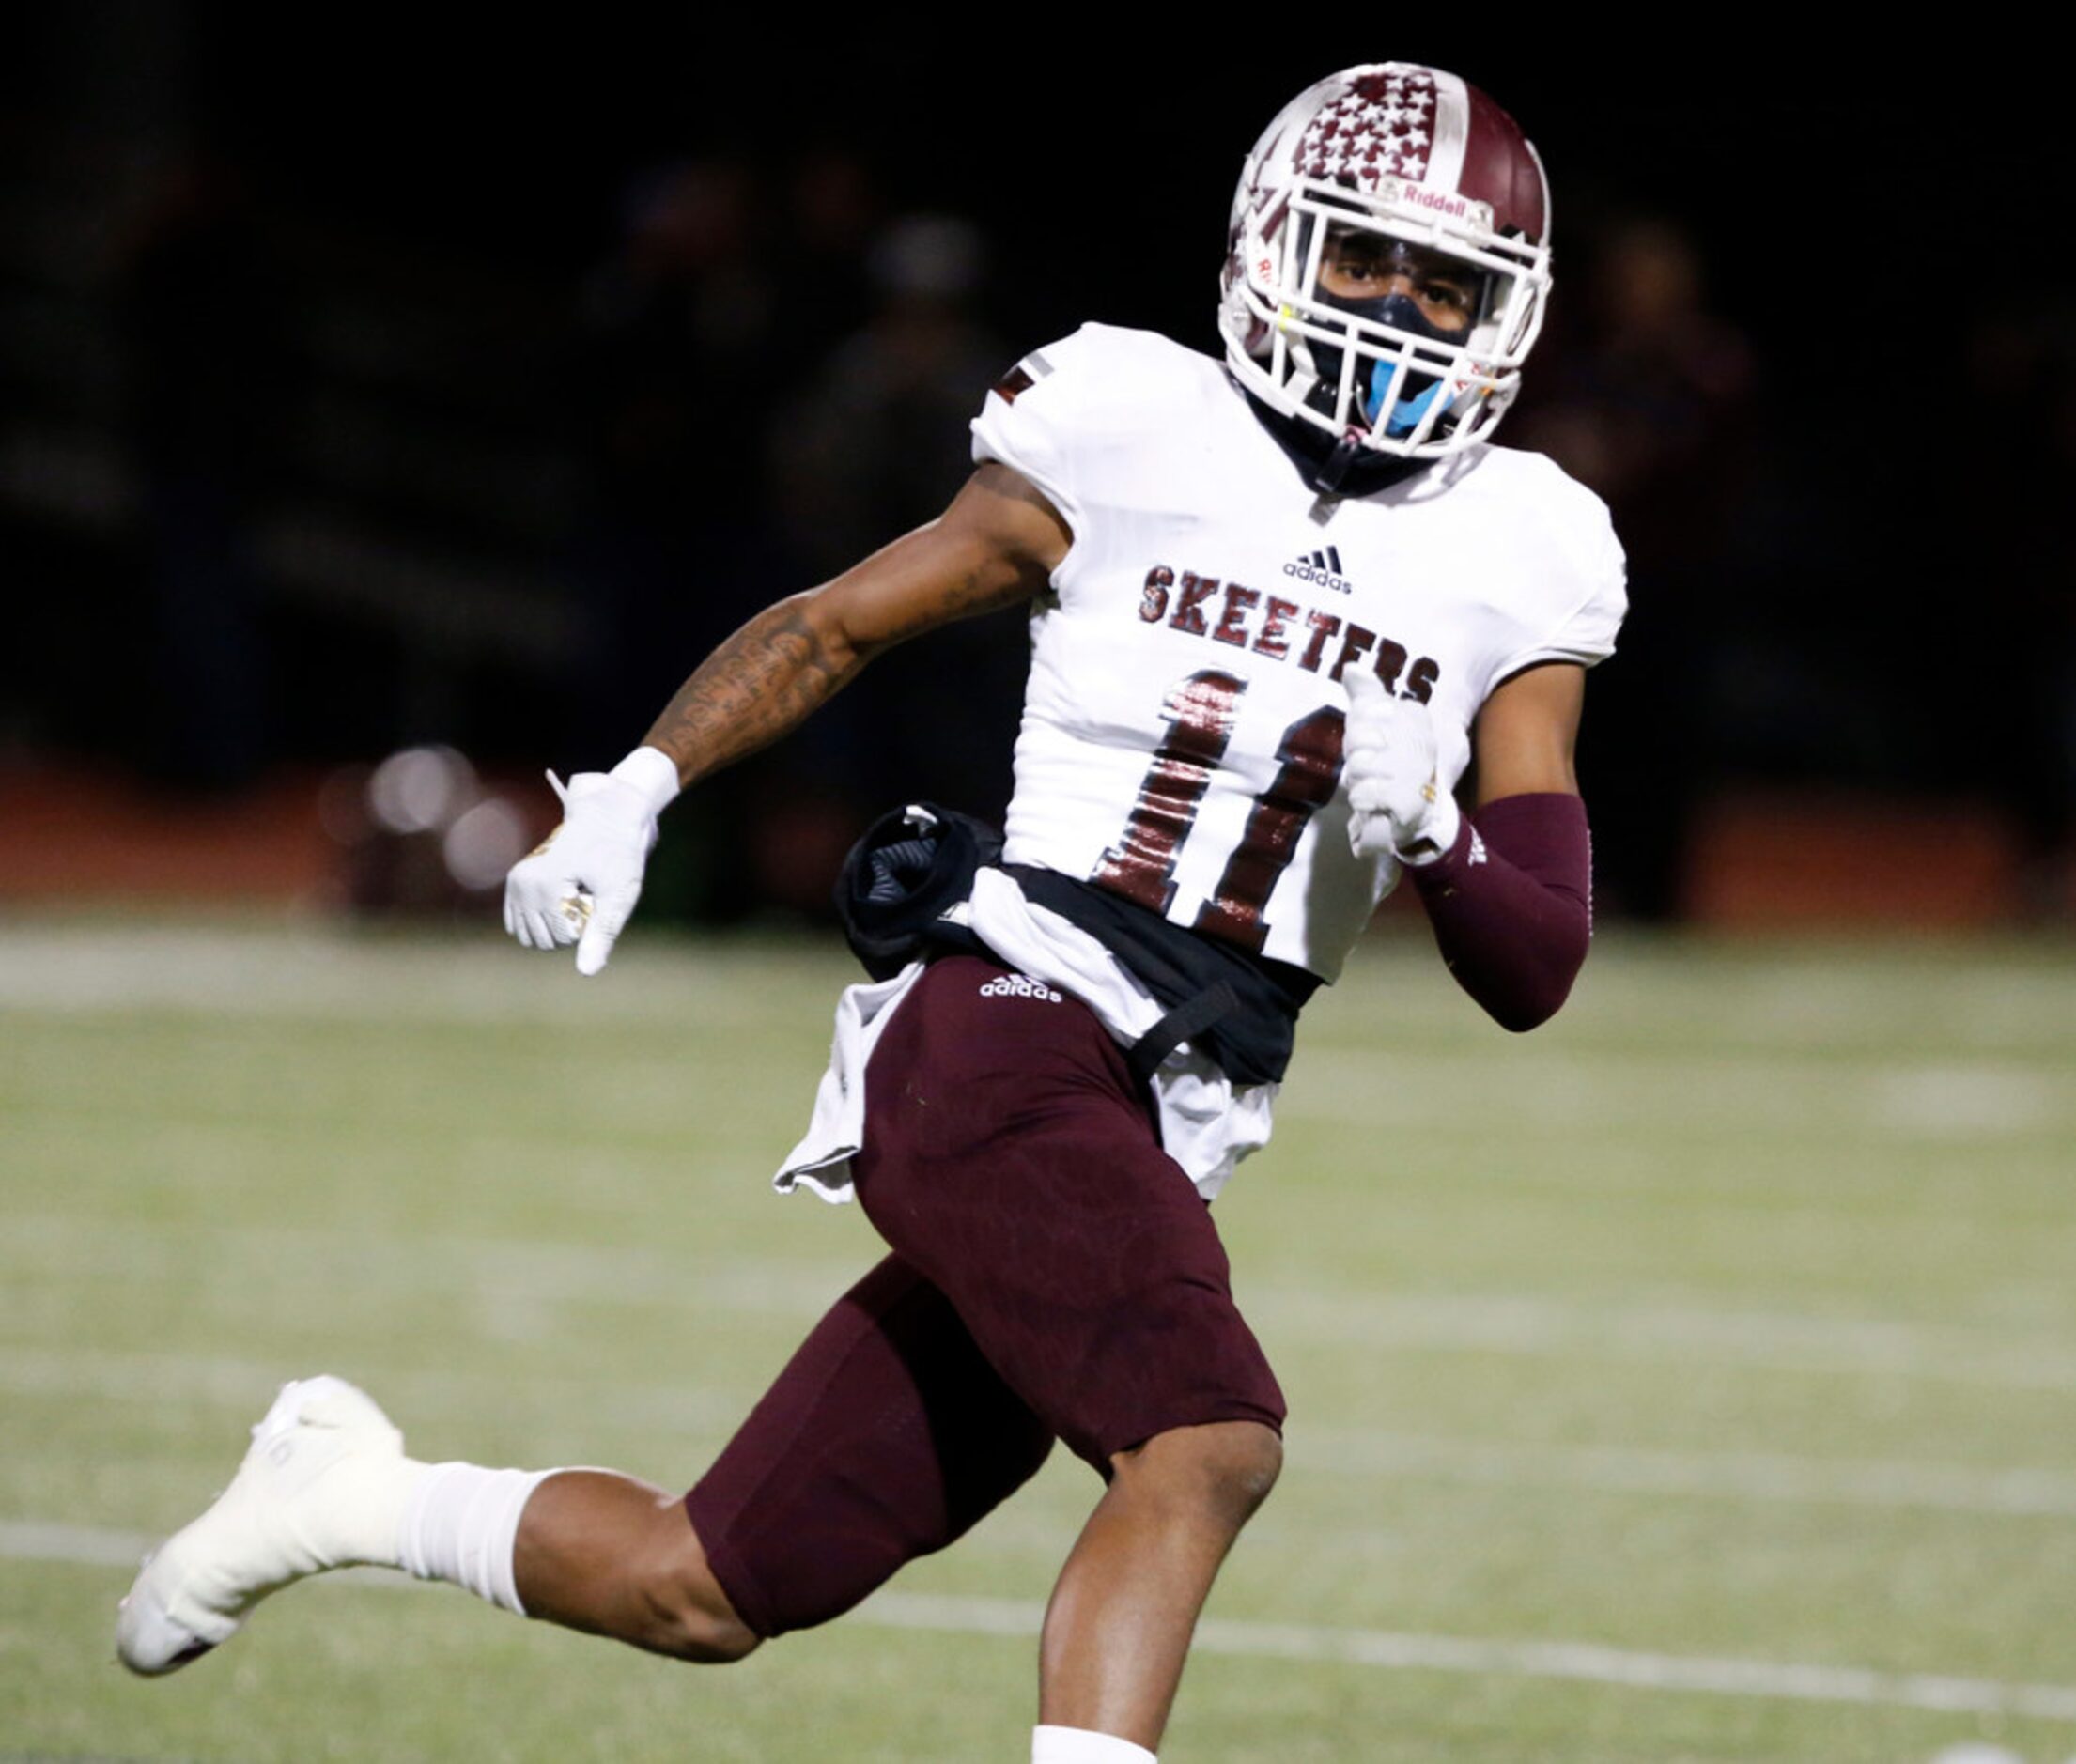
<point x="311" y="1260"/>
<point x="321" y="973"/>
<point x="2035" y="1357"/>
<point x="1984" y="1099"/>
<point x="1731" y="1475"/>
<point x="83" y="1546"/>
<point x="675" y="1410"/>
<point x="1660" y="1331"/>
<point x="540" y="1274"/>
<point x="93" y="1547"/>
<point x="1876" y="1096"/>
<point x="1584" y="1660"/>
<point x="245" y="1386"/>
<point x="318" y="969"/>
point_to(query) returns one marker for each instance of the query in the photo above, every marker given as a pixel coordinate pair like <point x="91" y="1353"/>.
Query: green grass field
<point x="1694" y="1379"/>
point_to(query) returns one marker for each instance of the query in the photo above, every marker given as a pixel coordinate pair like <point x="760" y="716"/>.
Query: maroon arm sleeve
<point x="1511" y="903"/>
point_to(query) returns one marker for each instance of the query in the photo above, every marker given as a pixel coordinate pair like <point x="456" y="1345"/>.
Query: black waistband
<point x="1239" y="1007"/>
<point x="916" y="863"/>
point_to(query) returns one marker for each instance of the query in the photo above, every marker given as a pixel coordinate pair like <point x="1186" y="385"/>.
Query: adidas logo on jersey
<point x="1321" y="568"/>
<point x="1020" y="986"/>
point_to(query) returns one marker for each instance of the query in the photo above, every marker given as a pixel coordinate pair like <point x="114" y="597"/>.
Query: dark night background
<point x="373" y="380"/>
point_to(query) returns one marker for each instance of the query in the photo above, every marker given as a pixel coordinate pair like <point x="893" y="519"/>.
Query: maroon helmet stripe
<point x="1501" y="170"/>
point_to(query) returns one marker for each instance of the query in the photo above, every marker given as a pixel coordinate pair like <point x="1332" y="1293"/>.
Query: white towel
<point x="822" y="1159"/>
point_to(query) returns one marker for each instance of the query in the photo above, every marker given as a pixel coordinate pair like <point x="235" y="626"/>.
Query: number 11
<point x="1141" y="865"/>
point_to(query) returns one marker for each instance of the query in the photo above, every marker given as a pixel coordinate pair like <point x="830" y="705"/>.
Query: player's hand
<point x="580" y="884"/>
<point x="1390" y="762"/>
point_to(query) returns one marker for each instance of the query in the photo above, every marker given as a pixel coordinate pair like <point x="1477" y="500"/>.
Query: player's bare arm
<point x="995" y="547"/>
<point x="1527" y="733"/>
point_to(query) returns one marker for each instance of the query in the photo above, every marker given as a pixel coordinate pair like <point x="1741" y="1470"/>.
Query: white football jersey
<point x="1182" y="730"/>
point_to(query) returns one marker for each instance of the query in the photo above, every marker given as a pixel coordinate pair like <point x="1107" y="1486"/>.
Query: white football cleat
<point x="323" y="1486"/>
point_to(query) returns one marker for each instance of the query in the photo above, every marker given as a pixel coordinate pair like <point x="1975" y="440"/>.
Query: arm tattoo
<point x="788" y="659"/>
<point x="760" y="683"/>
<point x="960" y="599"/>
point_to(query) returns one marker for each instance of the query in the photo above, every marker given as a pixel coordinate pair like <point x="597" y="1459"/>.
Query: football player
<point x="1284" y="606"/>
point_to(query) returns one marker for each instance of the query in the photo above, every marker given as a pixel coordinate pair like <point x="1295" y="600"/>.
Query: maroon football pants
<point x="1054" y="1275"/>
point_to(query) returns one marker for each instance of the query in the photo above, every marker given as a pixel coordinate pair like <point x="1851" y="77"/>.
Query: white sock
<point x="361" y="1515"/>
<point x="1078" y="1745"/>
<point x="460" y="1526"/>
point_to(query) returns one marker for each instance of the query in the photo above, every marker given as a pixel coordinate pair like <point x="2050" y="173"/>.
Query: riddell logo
<point x="1422" y="197"/>
<point x="1439" y="201"/>
<point x="1322" y="569"/>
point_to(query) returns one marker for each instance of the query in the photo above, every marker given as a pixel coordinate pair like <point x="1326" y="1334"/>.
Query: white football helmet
<point x="1446" y="178"/>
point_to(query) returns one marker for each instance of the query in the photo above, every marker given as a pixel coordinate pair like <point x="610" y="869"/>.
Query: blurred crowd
<point x="1848" y="571"/>
<point x="315" y="496"/>
<point x="762" y="405"/>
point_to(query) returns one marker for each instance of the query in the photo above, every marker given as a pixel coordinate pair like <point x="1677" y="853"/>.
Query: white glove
<point x="1400" y="807"/>
<point x="581" y="884"/>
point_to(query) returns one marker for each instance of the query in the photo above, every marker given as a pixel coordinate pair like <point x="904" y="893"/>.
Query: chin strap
<point x="1332" y="468"/>
<point x="1328" y="474"/>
